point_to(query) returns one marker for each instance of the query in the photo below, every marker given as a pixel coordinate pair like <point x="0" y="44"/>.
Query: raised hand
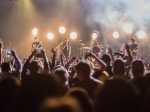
<point x="110" y="50"/>
<point x="53" y="51"/>
<point x="13" y="53"/>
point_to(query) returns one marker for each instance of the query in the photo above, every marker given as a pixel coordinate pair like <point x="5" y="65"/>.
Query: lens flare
<point x="73" y="35"/>
<point x="50" y="36"/>
<point x="115" y="34"/>
<point x="141" y="34"/>
<point x="94" y="35"/>
<point x="62" y="30"/>
<point x="34" y="31"/>
<point x="127" y="27"/>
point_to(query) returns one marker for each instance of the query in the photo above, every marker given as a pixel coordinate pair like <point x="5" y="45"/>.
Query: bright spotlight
<point x="50" y="36"/>
<point x="94" y="35"/>
<point x="34" y="31"/>
<point x="127" y="27"/>
<point x="62" y="30"/>
<point x="141" y="34"/>
<point x="116" y="34"/>
<point x="73" y="35"/>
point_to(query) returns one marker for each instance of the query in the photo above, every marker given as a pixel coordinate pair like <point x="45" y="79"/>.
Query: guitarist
<point x="36" y="45"/>
<point x="133" y="47"/>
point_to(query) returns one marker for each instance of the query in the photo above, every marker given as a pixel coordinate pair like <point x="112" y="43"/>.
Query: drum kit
<point x="83" y="48"/>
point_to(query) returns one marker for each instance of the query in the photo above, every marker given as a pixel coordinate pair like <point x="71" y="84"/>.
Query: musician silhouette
<point x="66" y="48"/>
<point x="133" y="47"/>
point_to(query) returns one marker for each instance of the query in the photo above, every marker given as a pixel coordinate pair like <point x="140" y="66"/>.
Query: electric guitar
<point x="134" y="50"/>
<point x="34" y="47"/>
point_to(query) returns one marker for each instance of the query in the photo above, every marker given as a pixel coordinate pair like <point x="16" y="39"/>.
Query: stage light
<point x="50" y="36"/>
<point x="62" y="30"/>
<point x="115" y="34"/>
<point x="34" y="31"/>
<point x="94" y="35"/>
<point x="73" y="35"/>
<point x="127" y="27"/>
<point x="141" y="34"/>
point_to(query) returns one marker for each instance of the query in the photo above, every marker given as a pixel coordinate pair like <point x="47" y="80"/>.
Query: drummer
<point x="96" y="50"/>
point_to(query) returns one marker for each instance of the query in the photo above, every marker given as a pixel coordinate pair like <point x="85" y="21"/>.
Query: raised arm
<point x="130" y="58"/>
<point x="46" y="63"/>
<point x="69" y="62"/>
<point x="146" y="63"/>
<point x="53" y="58"/>
<point x="25" y="67"/>
<point x="101" y="64"/>
<point x="18" y="65"/>
<point x="111" y="54"/>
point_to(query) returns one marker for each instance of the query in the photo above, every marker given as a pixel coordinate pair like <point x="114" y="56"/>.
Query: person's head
<point x="95" y="44"/>
<point x="61" y="74"/>
<point x="33" y="90"/>
<point x="117" y="96"/>
<point x="133" y="40"/>
<point x="5" y="67"/>
<point x="34" y="67"/>
<point x="36" y="39"/>
<point x="137" y="68"/>
<point x="82" y="96"/>
<point x="66" y="40"/>
<point x="119" y="67"/>
<point x="66" y="104"/>
<point x="83" y="69"/>
<point x="106" y="58"/>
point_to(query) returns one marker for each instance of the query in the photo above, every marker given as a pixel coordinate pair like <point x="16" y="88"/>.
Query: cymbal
<point x="100" y="45"/>
<point x="86" y="47"/>
<point x="82" y="44"/>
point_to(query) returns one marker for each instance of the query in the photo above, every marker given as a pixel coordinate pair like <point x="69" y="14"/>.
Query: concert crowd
<point x="112" y="82"/>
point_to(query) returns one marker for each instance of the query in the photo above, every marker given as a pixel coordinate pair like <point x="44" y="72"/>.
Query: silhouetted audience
<point x="113" y="83"/>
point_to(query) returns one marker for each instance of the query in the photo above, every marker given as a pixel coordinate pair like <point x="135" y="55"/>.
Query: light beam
<point x="62" y="30"/>
<point x="115" y="34"/>
<point x="73" y="35"/>
<point x="50" y="36"/>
